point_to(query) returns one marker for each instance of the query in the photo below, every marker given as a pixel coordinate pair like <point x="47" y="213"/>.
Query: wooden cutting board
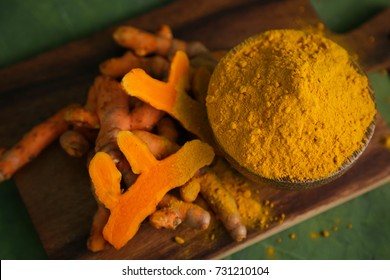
<point x="55" y="187"/>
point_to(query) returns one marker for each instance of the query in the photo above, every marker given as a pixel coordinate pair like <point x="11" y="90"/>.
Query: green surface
<point x="29" y="27"/>
<point x="18" y="239"/>
<point x="343" y="15"/>
<point x="358" y="229"/>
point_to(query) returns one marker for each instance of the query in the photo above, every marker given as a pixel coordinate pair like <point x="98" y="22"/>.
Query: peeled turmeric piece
<point x="156" y="178"/>
<point x="105" y="179"/>
<point x="160" y="147"/>
<point x="171" y="97"/>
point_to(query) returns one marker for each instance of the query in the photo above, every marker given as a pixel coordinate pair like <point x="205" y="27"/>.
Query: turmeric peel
<point x="113" y="111"/>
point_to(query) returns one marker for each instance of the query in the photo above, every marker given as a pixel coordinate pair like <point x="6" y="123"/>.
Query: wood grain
<point x="55" y="188"/>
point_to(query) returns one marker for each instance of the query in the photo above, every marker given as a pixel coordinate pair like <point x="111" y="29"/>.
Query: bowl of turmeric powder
<point x="290" y="108"/>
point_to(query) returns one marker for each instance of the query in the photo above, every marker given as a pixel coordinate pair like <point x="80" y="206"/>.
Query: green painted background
<point x="29" y="27"/>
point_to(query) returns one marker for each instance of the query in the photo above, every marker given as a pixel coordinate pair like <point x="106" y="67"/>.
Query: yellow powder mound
<point x="289" y="104"/>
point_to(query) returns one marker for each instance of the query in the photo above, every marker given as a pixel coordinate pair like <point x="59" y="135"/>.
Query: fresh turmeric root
<point x="200" y="83"/>
<point x="32" y="144"/>
<point x="207" y="60"/>
<point x="117" y="67"/>
<point x="223" y="204"/>
<point x="159" y="146"/>
<point x="74" y="143"/>
<point x="82" y="117"/>
<point x="84" y="120"/>
<point x="110" y="107"/>
<point x="162" y="43"/>
<point x="156" y="178"/>
<point x="113" y="110"/>
<point x="128" y="176"/>
<point x="85" y="116"/>
<point x="144" y="117"/>
<point x="96" y="241"/>
<point x="173" y="212"/>
<point x="167" y="128"/>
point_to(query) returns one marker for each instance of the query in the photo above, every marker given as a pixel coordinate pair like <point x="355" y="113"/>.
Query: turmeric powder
<point x="235" y="200"/>
<point x="287" y="104"/>
<point x="222" y="203"/>
<point x="189" y="192"/>
<point x="253" y="213"/>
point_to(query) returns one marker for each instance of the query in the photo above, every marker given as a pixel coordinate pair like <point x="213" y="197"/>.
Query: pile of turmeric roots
<point x="144" y="132"/>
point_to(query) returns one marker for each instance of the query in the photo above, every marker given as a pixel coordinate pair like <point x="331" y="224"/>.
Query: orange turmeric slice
<point x="106" y="179"/>
<point x="171" y="97"/>
<point x="156" y="178"/>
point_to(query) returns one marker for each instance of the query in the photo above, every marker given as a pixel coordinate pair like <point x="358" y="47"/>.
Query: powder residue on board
<point x="254" y="214"/>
